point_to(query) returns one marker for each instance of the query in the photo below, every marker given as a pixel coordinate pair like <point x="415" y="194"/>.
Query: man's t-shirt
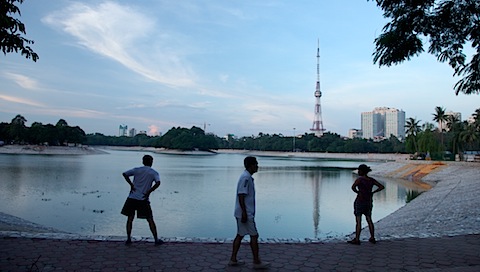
<point x="143" y="178"/>
<point x="246" y="187"/>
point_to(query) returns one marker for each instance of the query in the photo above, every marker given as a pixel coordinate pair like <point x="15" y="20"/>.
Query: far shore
<point x="319" y="155"/>
<point x="49" y="150"/>
<point x="91" y="150"/>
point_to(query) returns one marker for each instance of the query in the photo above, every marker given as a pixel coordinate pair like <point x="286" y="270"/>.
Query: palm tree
<point x="428" y="126"/>
<point x="413" y="128"/>
<point x="455" y="128"/>
<point x="470" y="135"/>
<point x="476" y="118"/>
<point x="440" y="117"/>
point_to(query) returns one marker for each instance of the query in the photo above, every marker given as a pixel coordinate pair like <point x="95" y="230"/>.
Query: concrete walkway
<point x="437" y="231"/>
<point x="458" y="253"/>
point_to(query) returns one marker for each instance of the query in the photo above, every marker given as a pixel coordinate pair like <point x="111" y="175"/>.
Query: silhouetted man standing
<point x="138" y="199"/>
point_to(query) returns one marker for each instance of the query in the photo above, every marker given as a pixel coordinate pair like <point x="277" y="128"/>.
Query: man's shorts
<point x="142" y="207"/>
<point x="362" y="208"/>
<point x="247" y="228"/>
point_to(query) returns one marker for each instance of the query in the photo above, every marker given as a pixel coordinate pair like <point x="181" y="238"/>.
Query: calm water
<point x="296" y="198"/>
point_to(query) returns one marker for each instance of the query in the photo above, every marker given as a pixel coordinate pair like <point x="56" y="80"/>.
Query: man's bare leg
<point x="358" y="227"/>
<point x="236" y="247"/>
<point x="129" y="229"/>
<point x="254" y="247"/>
<point x="153" y="229"/>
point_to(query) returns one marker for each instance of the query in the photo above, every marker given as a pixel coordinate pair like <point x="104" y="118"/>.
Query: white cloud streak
<point x="125" y="35"/>
<point x="20" y="100"/>
<point x="23" y="81"/>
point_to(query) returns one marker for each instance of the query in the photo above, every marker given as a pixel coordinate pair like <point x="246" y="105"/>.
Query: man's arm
<point x="379" y="185"/>
<point x="241" y="200"/>
<point x="154" y="187"/>
<point x="127" y="178"/>
<point x="354" y="186"/>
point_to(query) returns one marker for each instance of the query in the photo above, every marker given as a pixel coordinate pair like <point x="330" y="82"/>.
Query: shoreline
<point x="449" y="208"/>
<point x="90" y="150"/>
<point x="382" y="157"/>
<point x="49" y="150"/>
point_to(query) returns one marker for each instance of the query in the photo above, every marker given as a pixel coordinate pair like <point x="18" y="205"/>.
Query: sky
<point x="229" y="67"/>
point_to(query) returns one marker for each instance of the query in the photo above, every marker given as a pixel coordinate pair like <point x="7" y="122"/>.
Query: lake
<point x="296" y="197"/>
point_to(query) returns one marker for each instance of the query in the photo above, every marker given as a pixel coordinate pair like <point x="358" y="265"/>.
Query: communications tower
<point x="317" y="127"/>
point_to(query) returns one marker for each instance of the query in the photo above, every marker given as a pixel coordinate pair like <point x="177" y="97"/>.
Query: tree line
<point x="16" y="132"/>
<point x="451" y="137"/>
<point x="196" y="139"/>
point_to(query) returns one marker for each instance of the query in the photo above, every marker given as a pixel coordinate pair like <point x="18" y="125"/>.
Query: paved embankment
<point x="451" y="207"/>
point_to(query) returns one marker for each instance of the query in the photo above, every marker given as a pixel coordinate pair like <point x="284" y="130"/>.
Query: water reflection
<point x="26" y="173"/>
<point x="316" y="179"/>
<point x="296" y="198"/>
<point x="411" y="195"/>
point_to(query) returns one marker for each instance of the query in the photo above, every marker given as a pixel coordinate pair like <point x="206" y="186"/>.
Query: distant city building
<point x="355" y="133"/>
<point x="142" y="132"/>
<point x="457" y="116"/>
<point x="229" y="137"/>
<point x="132" y="132"/>
<point x="122" y="130"/>
<point x="382" y="123"/>
<point x="471" y="119"/>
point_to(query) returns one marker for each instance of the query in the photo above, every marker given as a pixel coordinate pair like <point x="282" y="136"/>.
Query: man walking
<point x="138" y="199"/>
<point x="245" y="215"/>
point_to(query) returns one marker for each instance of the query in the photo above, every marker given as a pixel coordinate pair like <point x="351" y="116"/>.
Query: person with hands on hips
<point x="363" y="204"/>
<point x="138" y="198"/>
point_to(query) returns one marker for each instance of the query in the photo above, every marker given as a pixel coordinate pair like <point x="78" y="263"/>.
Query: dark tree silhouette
<point x="449" y="26"/>
<point x="11" y="30"/>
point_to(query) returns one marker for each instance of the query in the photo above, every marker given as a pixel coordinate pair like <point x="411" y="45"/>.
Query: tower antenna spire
<point x="317" y="126"/>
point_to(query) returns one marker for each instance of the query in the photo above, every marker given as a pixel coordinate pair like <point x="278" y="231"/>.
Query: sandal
<point x="372" y="240"/>
<point x="354" y="242"/>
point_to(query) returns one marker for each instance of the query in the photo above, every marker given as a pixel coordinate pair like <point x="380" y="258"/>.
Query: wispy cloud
<point x="21" y="100"/>
<point x="74" y="112"/>
<point x="128" y="36"/>
<point x="23" y="81"/>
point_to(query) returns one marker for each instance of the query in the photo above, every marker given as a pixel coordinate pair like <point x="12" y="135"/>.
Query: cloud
<point x="23" y="81"/>
<point x="21" y="100"/>
<point x="132" y="106"/>
<point x="128" y="36"/>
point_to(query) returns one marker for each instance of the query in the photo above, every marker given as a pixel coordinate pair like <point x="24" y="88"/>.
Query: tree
<point x="455" y="128"/>
<point x="19" y="120"/>
<point x="440" y="117"/>
<point x="428" y="142"/>
<point x="18" y="131"/>
<point x="470" y="136"/>
<point x="476" y="118"/>
<point x="11" y="30"/>
<point x="413" y="128"/>
<point x="448" y="24"/>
